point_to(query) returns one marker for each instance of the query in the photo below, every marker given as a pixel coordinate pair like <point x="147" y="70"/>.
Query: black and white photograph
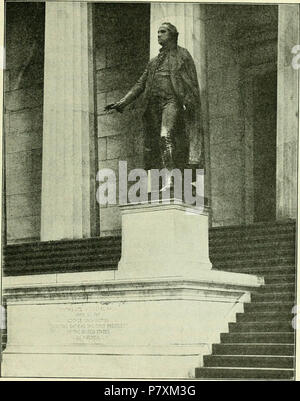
<point x="149" y="224"/>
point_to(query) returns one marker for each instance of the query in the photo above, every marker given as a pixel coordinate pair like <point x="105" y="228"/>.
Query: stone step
<point x="259" y="270"/>
<point x="264" y="317"/>
<point x="253" y="349"/>
<point x="277" y="288"/>
<point x="79" y="259"/>
<point x="39" y="254"/>
<point x="261" y="244"/>
<point x="263" y="228"/>
<point x="280" y="278"/>
<point x="269" y="307"/>
<point x="246" y="373"/>
<point x="99" y="265"/>
<point x="255" y="262"/>
<point x="245" y="361"/>
<point x="61" y="245"/>
<point x="268" y="254"/>
<point x="265" y="338"/>
<point x="243" y="238"/>
<point x="261" y="327"/>
<point x="253" y="240"/>
<point x="269" y="297"/>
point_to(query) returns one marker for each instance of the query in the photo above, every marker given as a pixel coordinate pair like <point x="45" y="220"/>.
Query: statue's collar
<point x="168" y="47"/>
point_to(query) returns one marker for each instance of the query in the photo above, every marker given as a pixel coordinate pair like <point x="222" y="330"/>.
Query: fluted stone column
<point x="287" y="111"/>
<point x="68" y="178"/>
<point x="189" y="20"/>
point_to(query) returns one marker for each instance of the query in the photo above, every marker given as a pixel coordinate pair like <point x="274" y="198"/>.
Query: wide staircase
<point x="260" y="345"/>
<point x="92" y="254"/>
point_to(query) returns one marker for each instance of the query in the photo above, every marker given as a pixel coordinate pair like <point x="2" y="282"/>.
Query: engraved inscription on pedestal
<point x="86" y="325"/>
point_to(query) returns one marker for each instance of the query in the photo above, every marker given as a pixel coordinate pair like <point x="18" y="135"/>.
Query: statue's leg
<point x="169" y="123"/>
<point x="152" y="125"/>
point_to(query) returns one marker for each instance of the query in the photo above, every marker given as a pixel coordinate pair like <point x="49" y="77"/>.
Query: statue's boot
<point x="166" y="150"/>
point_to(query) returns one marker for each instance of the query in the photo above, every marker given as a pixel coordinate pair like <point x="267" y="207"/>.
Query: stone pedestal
<point x="163" y="239"/>
<point x="155" y="328"/>
<point x="170" y="239"/>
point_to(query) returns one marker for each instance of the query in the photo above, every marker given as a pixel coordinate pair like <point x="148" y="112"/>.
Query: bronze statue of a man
<point x="171" y="106"/>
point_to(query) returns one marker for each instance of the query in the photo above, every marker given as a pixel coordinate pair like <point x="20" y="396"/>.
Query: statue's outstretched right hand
<point x="115" y="106"/>
<point x="109" y="107"/>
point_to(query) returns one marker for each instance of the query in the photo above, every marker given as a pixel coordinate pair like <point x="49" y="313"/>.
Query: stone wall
<point x="241" y="49"/>
<point x="121" y="53"/>
<point x="23" y="118"/>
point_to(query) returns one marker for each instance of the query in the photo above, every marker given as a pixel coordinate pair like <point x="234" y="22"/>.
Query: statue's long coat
<point x="186" y="87"/>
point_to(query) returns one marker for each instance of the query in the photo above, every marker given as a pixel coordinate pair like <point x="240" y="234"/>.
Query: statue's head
<point x="167" y="33"/>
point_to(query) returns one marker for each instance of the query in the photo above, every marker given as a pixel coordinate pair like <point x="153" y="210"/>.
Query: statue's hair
<point x="172" y="29"/>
